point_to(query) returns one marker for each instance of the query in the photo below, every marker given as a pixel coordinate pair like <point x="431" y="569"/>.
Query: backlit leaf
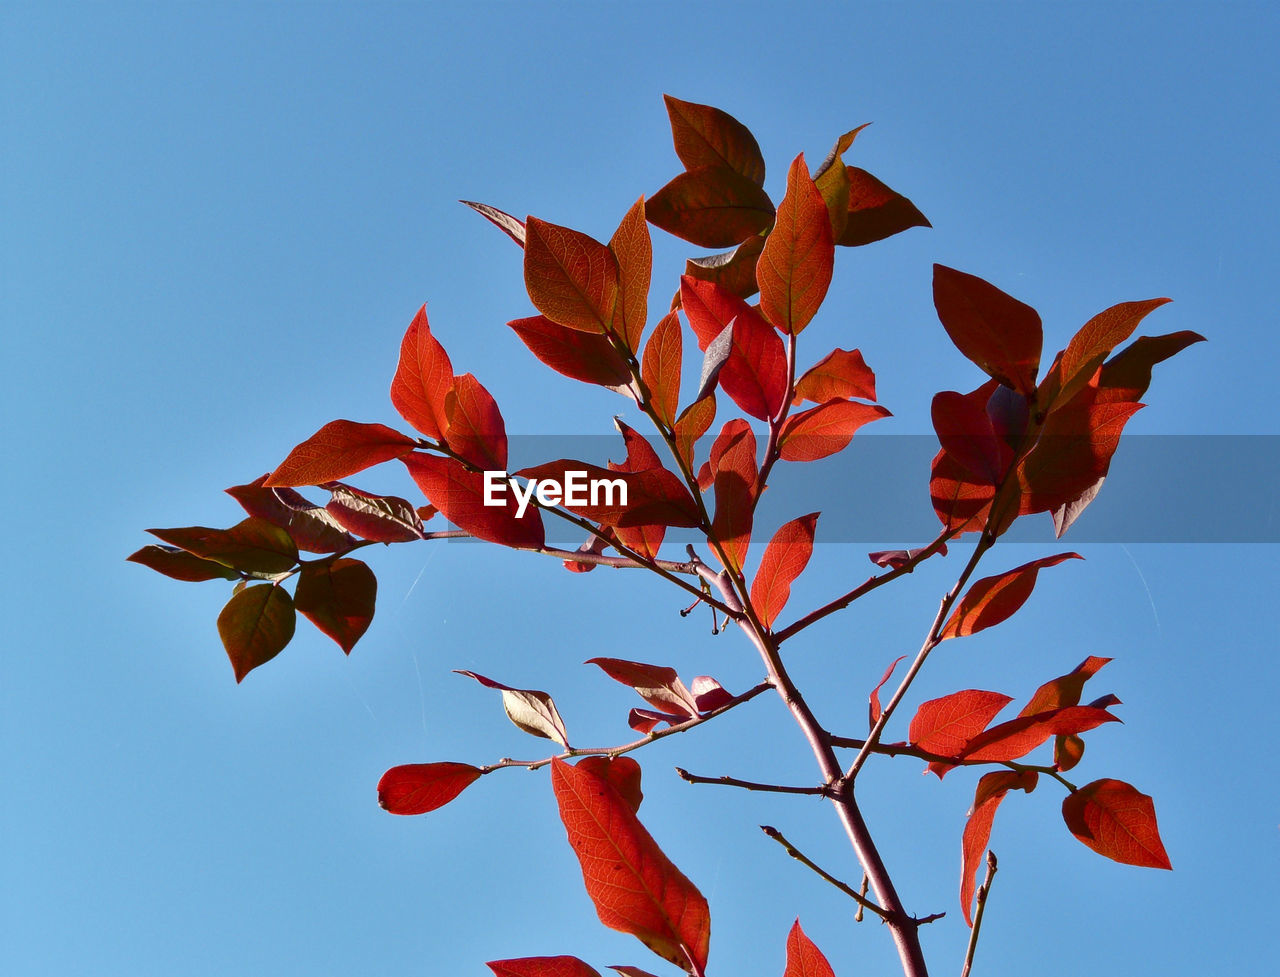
<point x="513" y="227"/>
<point x="733" y="464"/>
<point x="422" y="381"/>
<point x="1016" y="738"/>
<point x="708" y="694"/>
<point x="832" y="181"/>
<point x="1073" y="452"/>
<point x="734" y="271"/>
<point x="804" y="959"/>
<point x="658" y="685"/>
<point x="784" y="559"/>
<point x="339" y="449"/>
<point x="633" y="251"/>
<point x="583" y="356"/>
<point x="310" y="526"/>
<point x="338" y="597"/>
<point x="711" y="206"/>
<point x="1127" y="375"/>
<point x="476" y="429"/>
<point x="1089" y="347"/>
<point x="1116" y="820"/>
<point x="994" y="330"/>
<point x="563" y="966"/>
<point x="529" y="709"/>
<point x="821" y="431"/>
<point x="960" y="499"/>
<point x="416" y="788"/>
<point x="255" y="625"/>
<point x="874" y="709"/>
<point x="875" y="211"/>
<point x="1065" y="690"/>
<point x="692" y="424"/>
<point x="977" y="830"/>
<point x="994" y="599"/>
<point x="618" y="498"/>
<point x="252" y="545"/>
<point x="707" y="136"/>
<point x="966" y="433"/>
<point x="840" y="375"/>
<point x="945" y="725"/>
<point x="634" y="886"/>
<point x="181" y="565"/>
<point x="459" y="494"/>
<point x="644" y="539"/>
<point x="622" y="773"/>
<point x="379" y="518"/>
<point x="795" y="267"/>
<point x="571" y="278"/>
<point x="660" y="367"/>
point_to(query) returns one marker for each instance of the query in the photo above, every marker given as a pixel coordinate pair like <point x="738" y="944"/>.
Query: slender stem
<point x="931" y="641"/>
<point x="862" y="901"/>
<point x="693" y="778"/>
<point x="645" y="740"/>
<point x="902" y="749"/>
<point x="983" y="892"/>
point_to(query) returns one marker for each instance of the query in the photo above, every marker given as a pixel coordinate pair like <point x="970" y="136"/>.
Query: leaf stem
<point x="903" y="749"/>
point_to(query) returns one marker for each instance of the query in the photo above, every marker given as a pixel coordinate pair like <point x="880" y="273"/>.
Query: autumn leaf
<point x="945" y="725"/>
<point x="583" y="356"/>
<point x="572" y="279"/>
<point x="804" y="959"/>
<point x="660" y="367"/>
<point x="734" y="271"/>
<point x="459" y="494"/>
<point x="711" y="206"/>
<point x="633" y="251"/>
<point x="309" y="525"/>
<point x="994" y="599"/>
<point x="874" y="709"/>
<point x="840" y="375"/>
<point x="529" y="709"/>
<point x="338" y="597"/>
<point x="658" y="685"/>
<point x="1065" y="690"/>
<point x="255" y="626"/>
<point x="634" y="886"/>
<point x="252" y="545"/>
<point x="1089" y="348"/>
<point x="795" y="267"/>
<point x="652" y="497"/>
<point x="476" y="432"/>
<point x="377" y="518"/>
<point x="513" y="227"/>
<point x="875" y="211"/>
<point x="1116" y="820"/>
<point x="622" y="773"/>
<point x="416" y="788"/>
<point x="563" y="966"/>
<point x="997" y="332"/>
<point x="177" y="563"/>
<point x="708" y="136"/>
<point x="422" y="381"/>
<point x="339" y="449"/>
<point x="824" y="430"/>
<point x="734" y="473"/>
<point x="784" y="559"/>
<point x="977" y="830"/>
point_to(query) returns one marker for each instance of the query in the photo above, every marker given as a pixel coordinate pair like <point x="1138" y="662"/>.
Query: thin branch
<point x="799" y="856"/>
<point x="983" y="892"/>
<point x="645" y="740"/>
<point x="862" y="891"/>
<point x="902" y="749"/>
<point x="693" y="778"/>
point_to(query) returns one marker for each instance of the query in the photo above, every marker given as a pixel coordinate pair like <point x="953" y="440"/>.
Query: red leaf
<point x="338" y="597"/>
<point x="339" y="449"/>
<point x="840" y="375"/>
<point x="633" y="251"/>
<point x="423" y="379"/>
<point x="181" y="565"/>
<point x="755" y="373"/>
<point x="832" y="181"/>
<point x="542" y="967"/>
<point x="734" y="271"/>
<point x="691" y="425"/>
<point x="1018" y="737"/>
<point x="308" y="524"/>
<point x="578" y="355"/>
<point x="960" y="500"/>
<point x="824" y="430"/>
<point x="874" y="709"/>
<point x="712" y="206"/>
<point x="253" y="545"/>
<point x="622" y="773"/>
<point x="875" y="211"/>
<point x="378" y="518"/>
<point x="804" y="959"/>
<point x="707" y="136"/>
<point x="945" y="725"/>
<point x="795" y="267"/>
<point x="995" y="599"/>
<point x="1089" y="347"/>
<point x="476" y="429"/>
<point x="896" y="559"/>
<point x="416" y="788"/>
<point x="513" y="227"/>
<point x="641" y="457"/>
<point x="660" y="367"/>
<point x="994" y="330"/>
<point x="571" y="278"/>
<point x="977" y="830"/>
<point x="634" y="886"/>
<point x="255" y="626"/>
<point x="1117" y="821"/>
<point x="733" y="464"/>
<point x="658" y="685"/>
<point x="644" y="720"/>
<point x="708" y="694"/>
<point x="460" y="494"/>
<point x="1127" y="375"/>
<point x="653" y="497"/>
<point x="966" y="433"/>
<point x="529" y="709"/>
<point x="784" y="559"/>
<point x="1065" y="690"/>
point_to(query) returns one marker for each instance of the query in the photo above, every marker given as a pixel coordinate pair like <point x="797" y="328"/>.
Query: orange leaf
<point x="255" y="625"/>
<point x="734" y="271"/>
<point x="712" y="206"/>
<point x="476" y="429"/>
<point x="339" y="449"/>
<point x="994" y="330"/>
<point x="707" y="136"/>
<point x="1018" y="737"/>
<point x="1065" y="690"/>
<point x="634" y="886"/>
<point x="875" y="211"/>
<point x="652" y="497"/>
<point x="578" y="355"/>
<point x="804" y="959"/>
<point x="994" y="599"/>
<point x="660" y="367"/>
<point x="840" y="375"/>
<point x="795" y="267"/>
<point x="945" y="725"/>
<point x="459" y="494"/>
<point x="1117" y="821"/>
<point x="338" y="597"/>
<point x="423" y="379"/>
<point x="733" y="465"/>
<point x="977" y="830"/>
<point x="1089" y="347"/>
<point x="692" y="424"/>
<point x="960" y="500"/>
<point x="824" y="430"/>
<point x="832" y="181"/>
<point x="641" y="457"/>
<point x="1127" y="375"/>
<point x="874" y="709"/>
<point x="571" y="278"/>
<point x="633" y="251"/>
<point x="416" y="788"/>
<point x="784" y="559"/>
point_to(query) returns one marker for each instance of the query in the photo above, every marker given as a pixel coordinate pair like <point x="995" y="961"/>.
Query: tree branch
<point x="983" y="892"/>
<point x="799" y="856"/>
<point x="693" y="778"/>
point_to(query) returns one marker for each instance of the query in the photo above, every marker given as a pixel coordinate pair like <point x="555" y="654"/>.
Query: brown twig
<point x="693" y="778"/>
<point x="862" y="901"/>
<point x="983" y="892"/>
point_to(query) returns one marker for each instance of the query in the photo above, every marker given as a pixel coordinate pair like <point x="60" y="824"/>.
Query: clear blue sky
<point x="218" y="220"/>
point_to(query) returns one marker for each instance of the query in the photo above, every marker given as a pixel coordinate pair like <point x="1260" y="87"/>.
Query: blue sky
<point x="219" y="219"/>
